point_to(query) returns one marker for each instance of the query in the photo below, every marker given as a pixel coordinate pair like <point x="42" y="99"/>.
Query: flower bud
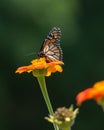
<point x="63" y="117"/>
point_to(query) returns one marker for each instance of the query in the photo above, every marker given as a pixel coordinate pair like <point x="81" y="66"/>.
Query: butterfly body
<point x="51" y="49"/>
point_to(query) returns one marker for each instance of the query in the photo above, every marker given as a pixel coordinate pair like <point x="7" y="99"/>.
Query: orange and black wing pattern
<point x="51" y="49"/>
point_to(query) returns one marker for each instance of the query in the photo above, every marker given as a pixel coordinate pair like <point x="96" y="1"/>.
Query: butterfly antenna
<point x="30" y="54"/>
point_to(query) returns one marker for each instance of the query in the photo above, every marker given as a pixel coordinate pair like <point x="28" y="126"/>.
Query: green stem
<point x="41" y="80"/>
<point x="67" y="129"/>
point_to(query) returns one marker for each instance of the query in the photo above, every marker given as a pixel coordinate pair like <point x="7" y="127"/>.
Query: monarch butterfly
<point x="50" y="48"/>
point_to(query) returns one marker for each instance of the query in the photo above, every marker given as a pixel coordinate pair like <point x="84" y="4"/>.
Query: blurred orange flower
<point x="96" y="93"/>
<point x="41" y="67"/>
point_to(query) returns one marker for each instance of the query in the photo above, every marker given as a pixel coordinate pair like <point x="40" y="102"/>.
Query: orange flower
<point x="96" y="93"/>
<point x="40" y="67"/>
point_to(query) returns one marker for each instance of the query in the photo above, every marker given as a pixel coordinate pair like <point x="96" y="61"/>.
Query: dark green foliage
<point x="23" y="27"/>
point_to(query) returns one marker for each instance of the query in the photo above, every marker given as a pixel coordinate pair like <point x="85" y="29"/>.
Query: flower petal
<point x="96" y="93"/>
<point x="41" y="64"/>
<point x="83" y="96"/>
<point x="23" y="69"/>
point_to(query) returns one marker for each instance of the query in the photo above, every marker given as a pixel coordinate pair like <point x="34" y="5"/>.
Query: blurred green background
<point x="23" y="27"/>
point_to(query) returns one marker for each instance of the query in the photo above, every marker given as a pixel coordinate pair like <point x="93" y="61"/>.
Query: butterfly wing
<point x="51" y="49"/>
